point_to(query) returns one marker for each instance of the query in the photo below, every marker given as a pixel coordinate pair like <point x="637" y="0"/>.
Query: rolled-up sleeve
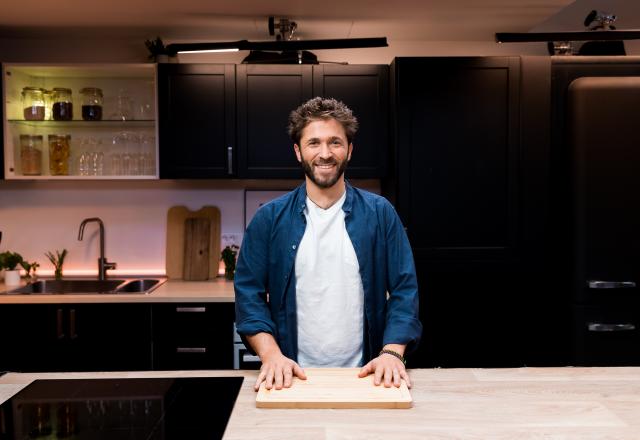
<point x="252" y="278"/>
<point x="402" y="323"/>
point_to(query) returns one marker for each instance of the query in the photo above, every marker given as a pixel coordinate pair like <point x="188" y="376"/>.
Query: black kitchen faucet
<point x="103" y="264"/>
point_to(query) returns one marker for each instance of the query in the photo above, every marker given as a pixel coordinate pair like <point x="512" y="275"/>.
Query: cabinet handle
<point x="250" y="358"/>
<point x="191" y="309"/>
<point x="59" y="318"/>
<point x="599" y="327"/>
<point x="191" y="349"/>
<point x="72" y="324"/>
<point x="594" y="284"/>
<point x="229" y="160"/>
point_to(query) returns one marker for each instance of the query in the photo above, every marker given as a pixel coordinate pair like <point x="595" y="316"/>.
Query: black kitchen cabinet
<point x="365" y="90"/>
<point x="266" y="96"/>
<point x="231" y="121"/>
<point x="193" y="336"/>
<point x="470" y="185"/>
<point x="196" y="120"/>
<point x="458" y="145"/>
<point x="76" y="337"/>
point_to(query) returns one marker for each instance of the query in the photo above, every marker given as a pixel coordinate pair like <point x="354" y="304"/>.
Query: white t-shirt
<point x="329" y="293"/>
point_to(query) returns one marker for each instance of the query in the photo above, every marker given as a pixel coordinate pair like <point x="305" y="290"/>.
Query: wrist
<point x="393" y="353"/>
<point x="398" y="348"/>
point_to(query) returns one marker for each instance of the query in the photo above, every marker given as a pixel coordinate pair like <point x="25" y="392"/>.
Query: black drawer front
<point x="193" y="336"/>
<point x="607" y="335"/>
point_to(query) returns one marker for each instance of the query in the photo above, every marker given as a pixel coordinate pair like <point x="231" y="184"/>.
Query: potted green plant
<point x="9" y="261"/>
<point x="229" y="255"/>
<point x="30" y="269"/>
<point x="57" y="260"/>
<point x="157" y="51"/>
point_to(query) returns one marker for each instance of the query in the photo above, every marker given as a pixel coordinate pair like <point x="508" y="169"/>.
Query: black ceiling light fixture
<point x="283" y="50"/>
<point x="601" y="37"/>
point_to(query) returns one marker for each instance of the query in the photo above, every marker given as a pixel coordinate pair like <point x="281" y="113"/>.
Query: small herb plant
<point x="30" y="268"/>
<point x="57" y="260"/>
<point x="229" y="255"/>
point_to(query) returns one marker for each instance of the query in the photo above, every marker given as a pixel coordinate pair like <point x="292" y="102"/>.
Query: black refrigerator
<point x="603" y="140"/>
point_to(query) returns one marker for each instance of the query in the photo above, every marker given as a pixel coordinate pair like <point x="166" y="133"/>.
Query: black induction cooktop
<point x="132" y="409"/>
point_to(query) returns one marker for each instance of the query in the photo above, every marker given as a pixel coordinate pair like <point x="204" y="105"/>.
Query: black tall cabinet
<point x="471" y="158"/>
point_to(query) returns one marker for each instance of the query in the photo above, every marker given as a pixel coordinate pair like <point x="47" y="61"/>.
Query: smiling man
<point x="325" y="275"/>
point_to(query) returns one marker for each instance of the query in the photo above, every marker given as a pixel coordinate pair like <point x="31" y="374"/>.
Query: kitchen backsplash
<point x="36" y="217"/>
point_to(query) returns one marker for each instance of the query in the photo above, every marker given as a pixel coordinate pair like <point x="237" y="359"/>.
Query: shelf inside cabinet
<point x="150" y="123"/>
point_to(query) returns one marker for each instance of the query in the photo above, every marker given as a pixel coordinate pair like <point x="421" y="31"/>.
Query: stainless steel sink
<point x="83" y="286"/>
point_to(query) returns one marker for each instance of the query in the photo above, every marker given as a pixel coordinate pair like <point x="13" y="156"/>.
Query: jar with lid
<point x="31" y="154"/>
<point x="62" y="109"/>
<point x="59" y="154"/>
<point x="33" y="103"/>
<point x="91" y="103"/>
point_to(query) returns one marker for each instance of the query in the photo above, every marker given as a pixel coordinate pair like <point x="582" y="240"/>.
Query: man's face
<point x="323" y="152"/>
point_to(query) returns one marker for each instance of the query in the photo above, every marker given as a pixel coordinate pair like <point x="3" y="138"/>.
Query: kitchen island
<point x="525" y="403"/>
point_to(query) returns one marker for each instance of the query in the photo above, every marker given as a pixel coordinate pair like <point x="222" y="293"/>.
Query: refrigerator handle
<point x="600" y="327"/>
<point x="595" y="284"/>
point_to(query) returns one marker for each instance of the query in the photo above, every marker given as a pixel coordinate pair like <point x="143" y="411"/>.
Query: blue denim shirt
<point x="266" y="263"/>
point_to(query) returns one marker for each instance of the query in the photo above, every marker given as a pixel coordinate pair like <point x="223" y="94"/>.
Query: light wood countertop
<point x="217" y="290"/>
<point x="525" y="403"/>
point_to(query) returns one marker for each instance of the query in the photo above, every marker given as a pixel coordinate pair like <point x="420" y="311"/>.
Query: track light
<point x="279" y="46"/>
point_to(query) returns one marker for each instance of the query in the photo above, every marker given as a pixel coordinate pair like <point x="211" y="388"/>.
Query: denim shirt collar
<point x="301" y="198"/>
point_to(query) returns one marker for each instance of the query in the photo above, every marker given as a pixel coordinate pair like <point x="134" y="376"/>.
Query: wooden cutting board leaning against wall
<point x="185" y="259"/>
<point x="334" y="388"/>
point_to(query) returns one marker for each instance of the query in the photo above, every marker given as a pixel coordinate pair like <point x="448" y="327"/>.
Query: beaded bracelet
<point x="393" y="353"/>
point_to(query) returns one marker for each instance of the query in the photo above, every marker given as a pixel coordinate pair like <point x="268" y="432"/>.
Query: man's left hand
<point x="386" y="369"/>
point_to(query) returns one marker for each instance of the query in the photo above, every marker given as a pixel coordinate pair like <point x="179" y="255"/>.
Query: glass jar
<point x="62" y="109"/>
<point x="59" y="154"/>
<point x="33" y="103"/>
<point x="48" y="103"/>
<point x="31" y="154"/>
<point x="91" y="103"/>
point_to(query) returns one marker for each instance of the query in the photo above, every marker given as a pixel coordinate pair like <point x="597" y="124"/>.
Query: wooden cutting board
<point x="197" y="237"/>
<point x="175" y="251"/>
<point x="334" y="388"/>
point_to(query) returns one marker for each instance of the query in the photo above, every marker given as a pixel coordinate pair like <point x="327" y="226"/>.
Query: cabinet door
<point x="193" y="336"/>
<point x="109" y="337"/>
<point x="197" y="120"/>
<point x="266" y="96"/>
<point x="63" y="337"/>
<point x="365" y="90"/>
<point x="34" y="337"/>
<point x="458" y="155"/>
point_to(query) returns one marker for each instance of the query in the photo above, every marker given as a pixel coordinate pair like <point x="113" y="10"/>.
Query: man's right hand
<point x="277" y="369"/>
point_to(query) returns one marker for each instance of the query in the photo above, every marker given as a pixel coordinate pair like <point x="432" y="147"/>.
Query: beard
<point x="324" y="181"/>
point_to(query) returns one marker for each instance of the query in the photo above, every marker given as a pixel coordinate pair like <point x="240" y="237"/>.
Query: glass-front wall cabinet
<point x="80" y="121"/>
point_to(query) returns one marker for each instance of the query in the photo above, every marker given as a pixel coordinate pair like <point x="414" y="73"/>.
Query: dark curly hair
<point x="321" y="108"/>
